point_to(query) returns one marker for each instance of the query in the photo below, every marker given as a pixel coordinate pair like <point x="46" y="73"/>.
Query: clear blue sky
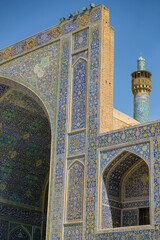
<point x="137" y="29"/>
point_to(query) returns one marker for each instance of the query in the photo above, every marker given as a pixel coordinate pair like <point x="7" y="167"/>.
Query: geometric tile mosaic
<point x="80" y="159"/>
<point x="25" y="149"/>
<point x="19" y="234"/>
<point x="40" y="70"/>
<point x="83" y="55"/>
<point x="114" y="173"/>
<point x="136" y="185"/>
<point x="92" y="132"/>
<point x="20" y="214"/>
<point x="79" y="95"/>
<point x="141" y="149"/>
<point x="76" y="143"/>
<point x="116" y="186"/>
<point x="80" y="40"/>
<point x="130" y="217"/>
<point x="75" y="191"/>
<point x="141" y="109"/>
<point x="51" y="34"/>
<point x="60" y="157"/>
<point x="73" y="231"/>
<point x="18" y="230"/>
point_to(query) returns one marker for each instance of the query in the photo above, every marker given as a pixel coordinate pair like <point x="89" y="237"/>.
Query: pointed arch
<point x="32" y="167"/>
<point x="75" y="191"/>
<point x="122" y="154"/>
<point x="79" y="96"/>
<point x="114" y="207"/>
<point x="19" y="233"/>
<point x="75" y="161"/>
<point x="28" y="90"/>
<point x="80" y="58"/>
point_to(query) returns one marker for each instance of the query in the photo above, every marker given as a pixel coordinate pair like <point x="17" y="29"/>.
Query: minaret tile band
<point x="141" y="88"/>
<point x="141" y="64"/>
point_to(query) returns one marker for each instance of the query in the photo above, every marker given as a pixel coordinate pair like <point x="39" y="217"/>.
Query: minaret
<point x="141" y="88"/>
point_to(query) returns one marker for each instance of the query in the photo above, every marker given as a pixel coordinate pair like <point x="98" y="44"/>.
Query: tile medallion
<point x="76" y="143"/>
<point x="80" y="40"/>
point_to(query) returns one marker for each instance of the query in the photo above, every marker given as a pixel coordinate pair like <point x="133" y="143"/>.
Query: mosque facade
<point x="72" y="166"/>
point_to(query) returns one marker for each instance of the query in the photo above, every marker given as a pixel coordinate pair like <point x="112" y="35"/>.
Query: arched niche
<point x="25" y="150"/>
<point x="75" y="191"/>
<point x="19" y="233"/>
<point x="79" y="88"/>
<point x="124" y="200"/>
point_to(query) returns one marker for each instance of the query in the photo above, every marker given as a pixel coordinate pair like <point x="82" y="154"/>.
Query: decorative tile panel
<point x="141" y="149"/>
<point x="92" y="132"/>
<point x="73" y="159"/>
<point x="76" y="143"/>
<point x="135" y="204"/>
<point x="149" y="132"/>
<point x="38" y="70"/>
<point x="80" y="40"/>
<point x="78" y="119"/>
<point x="156" y="146"/>
<point x="106" y="217"/>
<point x="127" y="235"/>
<point x="111" y="217"/>
<point x="62" y="113"/>
<point x="9" y="227"/>
<point x="49" y="35"/>
<point x="113" y="178"/>
<point x="73" y="231"/>
<point x="141" y="109"/>
<point x="76" y="56"/>
<point x="130" y="217"/>
<point x="19" y="234"/>
<point x="130" y="135"/>
<point x="115" y="172"/>
<point x="60" y="157"/>
<point x="57" y="209"/>
<point x="28" y="216"/>
<point x="25" y="149"/>
<point x="136" y="185"/>
<point x="75" y="192"/>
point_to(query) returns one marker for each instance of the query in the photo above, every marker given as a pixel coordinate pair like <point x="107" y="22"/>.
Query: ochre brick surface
<point x="106" y="84"/>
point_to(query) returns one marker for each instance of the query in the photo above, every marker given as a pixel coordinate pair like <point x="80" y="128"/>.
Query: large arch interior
<point x="24" y="162"/>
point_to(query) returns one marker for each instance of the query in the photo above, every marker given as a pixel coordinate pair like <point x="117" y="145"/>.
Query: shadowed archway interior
<point x="24" y="160"/>
<point x="125" y="192"/>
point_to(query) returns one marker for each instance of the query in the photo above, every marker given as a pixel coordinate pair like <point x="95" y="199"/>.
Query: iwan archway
<point x="125" y="192"/>
<point x="25" y="145"/>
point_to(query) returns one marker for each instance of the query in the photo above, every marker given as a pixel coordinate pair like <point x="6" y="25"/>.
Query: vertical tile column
<point x="60" y="153"/>
<point x="92" y="132"/>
